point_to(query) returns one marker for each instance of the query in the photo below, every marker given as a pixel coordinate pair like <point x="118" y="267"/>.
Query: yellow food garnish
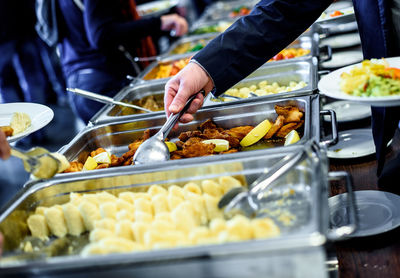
<point x="256" y="133"/>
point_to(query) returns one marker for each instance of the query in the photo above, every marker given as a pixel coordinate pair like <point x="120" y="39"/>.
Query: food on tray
<point x="292" y="137"/>
<point x="189" y="47"/>
<point x="336" y="13"/>
<point x="264" y="88"/>
<point x="202" y="142"/>
<point x="289" y="53"/>
<point x="216" y="28"/>
<point x="168" y="69"/>
<point x="375" y="78"/>
<point x="240" y="11"/>
<point x="19" y="123"/>
<point x="160" y="217"/>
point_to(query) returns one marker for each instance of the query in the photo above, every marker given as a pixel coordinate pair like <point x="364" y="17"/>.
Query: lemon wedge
<point x="90" y="164"/>
<point x="103" y="157"/>
<point x="256" y="133"/>
<point x="292" y="137"/>
<point x="221" y="145"/>
<point x="171" y="146"/>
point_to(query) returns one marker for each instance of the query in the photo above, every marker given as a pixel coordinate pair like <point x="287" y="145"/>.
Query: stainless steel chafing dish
<point x="304" y="69"/>
<point x="211" y="27"/>
<point x="134" y="94"/>
<point x="186" y="43"/>
<point x="115" y="135"/>
<point x="299" y="246"/>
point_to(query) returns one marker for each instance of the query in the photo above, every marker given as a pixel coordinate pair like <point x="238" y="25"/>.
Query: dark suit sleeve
<point x="254" y="39"/>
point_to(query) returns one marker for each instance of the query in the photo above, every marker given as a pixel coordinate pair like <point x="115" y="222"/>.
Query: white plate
<point x="40" y="116"/>
<point x="377" y="212"/>
<point x="156" y="8"/>
<point x="343" y="58"/>
<point x="341" y="41"/>
<point x="353" y="143"/>
<point x="329" y="86"/>
<point x="347" y="111"/>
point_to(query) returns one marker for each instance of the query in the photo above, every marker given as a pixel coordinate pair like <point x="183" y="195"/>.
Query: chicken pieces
<point x="8" y="130"/>
<point x="190" y="143"/>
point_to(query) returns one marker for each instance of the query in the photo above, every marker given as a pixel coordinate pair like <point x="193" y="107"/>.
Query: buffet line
<point x="114" y="217"/>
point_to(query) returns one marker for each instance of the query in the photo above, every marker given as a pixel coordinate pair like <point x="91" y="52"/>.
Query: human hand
<point x="189" y="81"/>
<point x="174" y="22"/>
<point x="5" y="150"/>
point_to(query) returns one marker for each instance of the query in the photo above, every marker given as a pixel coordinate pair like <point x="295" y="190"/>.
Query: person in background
<point x="98" y="40"/>
<point x="272" y="25"/>
<point x="22" y="77"/>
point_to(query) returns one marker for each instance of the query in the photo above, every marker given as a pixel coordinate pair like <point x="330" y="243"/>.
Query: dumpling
<point x="227" y="183"/>
<point x="183" y="217"/>
<point x="124" y="205"/>
<point x="56" y="222"/>
<point x="139" y="229"/>
<point x="127" y="196"/>
<point x="104" y="196"/>
<point x="145" y="217"/>
<point x="156" y="189"/>
<point x="105" y="223"/>
<point x="176" y="191"/>
<point x="174" y="201"/>
<point x="211" y="188"/>
<point x="90" y="213"/>
<point x="73" y="219"/>
<point x="199" y="208"/>
<point x="99" y="234"/>
<point x="160" y="203"/>
<point x="125" y="215"/>
<point x="143" y="205"/>
<point x="123" y="229"/>
<point x="108" y="210"/>
<point x="192" y="187"/>
<point x="217" y="225"/>
<point x="212" y="209"/>
<point x="38" y="226"/>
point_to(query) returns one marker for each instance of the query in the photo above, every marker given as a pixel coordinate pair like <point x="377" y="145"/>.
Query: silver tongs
<point x="240" y="200"/>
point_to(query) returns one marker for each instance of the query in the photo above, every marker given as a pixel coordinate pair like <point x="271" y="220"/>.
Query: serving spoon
<point x="105" y="99"/>
<point x="38" y="161"/>
<point x="154" y="149"/>
<point x="240" y="200"/>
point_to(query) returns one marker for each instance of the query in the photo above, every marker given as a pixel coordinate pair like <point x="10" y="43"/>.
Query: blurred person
<point x="98" y="39"/>
<point x="19" y="53"/>
<point x="272" y="25"/>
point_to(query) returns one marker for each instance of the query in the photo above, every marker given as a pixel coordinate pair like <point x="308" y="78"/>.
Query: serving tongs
<point x="238" y="200"/>
<point x="38" y="161"/>
<point x="105" y="99"/>
<point x="154" y="149"/>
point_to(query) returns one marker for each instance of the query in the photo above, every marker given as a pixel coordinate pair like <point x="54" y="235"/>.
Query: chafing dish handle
<point x="327" y="50"/>
<point x="335" y="134"/>
<point x="342" y="232"/>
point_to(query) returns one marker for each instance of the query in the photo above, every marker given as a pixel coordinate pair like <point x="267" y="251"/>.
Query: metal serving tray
<point x="116" y="135"/>
<point x="201" y="24"/>
<point x="130" y="94"/>
<point x="191" y="41"/>
<point x="299" y="245"/>
<point x="301" y="70"/>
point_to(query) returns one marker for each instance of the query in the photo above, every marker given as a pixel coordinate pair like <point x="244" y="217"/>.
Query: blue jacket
<point x="91" y="39"/>
<point x="273" y="24"/>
